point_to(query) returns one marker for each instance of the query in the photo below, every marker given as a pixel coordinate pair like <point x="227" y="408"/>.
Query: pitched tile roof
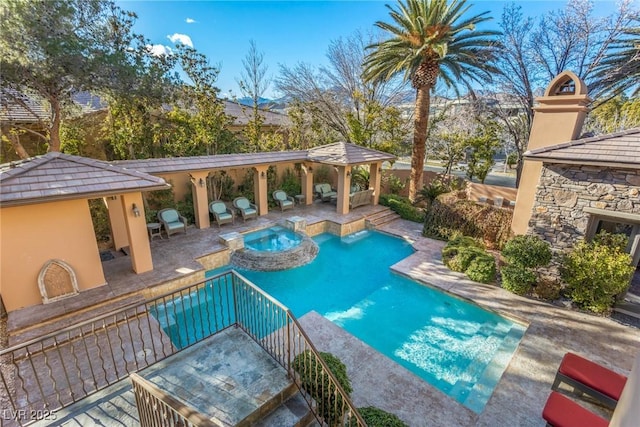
<point x="242" y="114"/>
<point x="220" y="161"/>
<point x="344" y="153"/>
<point x="620" y="149"/>
<point x="58" y="176"/>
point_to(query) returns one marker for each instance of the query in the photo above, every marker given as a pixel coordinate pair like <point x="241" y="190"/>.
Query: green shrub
<point x="376" y="417"/>
<point x="290" y="182"/>
<point x="528" y="251"/>
<point x="596" y="273"/>
<point x="449" y="215"/>
<point x="517" y="278"/>
<point x="100" y="218"/>
<point x="403" y="207"/>
<point x="462" y="260"/>
<point x="614" y="240"/>
<point x="317" y="384"/>
<point x="394" y="183"/>
<point x="482" y="269"/>
<point x="466" y="255"/>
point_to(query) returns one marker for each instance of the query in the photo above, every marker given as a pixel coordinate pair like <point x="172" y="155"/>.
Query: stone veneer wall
<point x="565" y="190"/>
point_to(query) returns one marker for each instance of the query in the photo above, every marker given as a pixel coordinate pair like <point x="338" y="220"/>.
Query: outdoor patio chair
<point x="221" y="213"/>
<point x="324" y="192"/>
<point x="172" y="221"/>
<point x="247" y="209"/>
<point x="285" y="202"/>
<point x="590" y="378"/>
<point x="560" y="411"/>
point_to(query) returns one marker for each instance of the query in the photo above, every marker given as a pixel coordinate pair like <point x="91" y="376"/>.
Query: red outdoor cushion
<point x="559" y="411"/>
<point x="593" y="375"/>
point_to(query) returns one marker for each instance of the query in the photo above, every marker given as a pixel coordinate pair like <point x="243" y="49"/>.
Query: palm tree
<point x="619" y="71"/>
<point x="430" y="39"/>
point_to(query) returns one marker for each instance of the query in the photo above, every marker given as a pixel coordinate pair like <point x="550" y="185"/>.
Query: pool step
<point x="380" y="218"/>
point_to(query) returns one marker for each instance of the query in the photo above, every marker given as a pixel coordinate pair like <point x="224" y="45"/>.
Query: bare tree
<point x="338" y="97"/>
<point x="253" y="84"/>
<point x="532" y="52"/>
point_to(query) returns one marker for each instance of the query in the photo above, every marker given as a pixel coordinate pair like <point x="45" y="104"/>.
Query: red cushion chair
<point x="559" y="411"/>
<point x="591" y="378"/>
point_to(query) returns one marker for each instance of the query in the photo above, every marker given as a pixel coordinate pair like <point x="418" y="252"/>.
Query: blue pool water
<point x="273" y="239"/>
<point x="456" y="346"/>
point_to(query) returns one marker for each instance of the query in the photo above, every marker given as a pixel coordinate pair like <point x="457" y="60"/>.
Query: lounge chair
<point x="172" y="221"/>
<point x="285" y="202"/>
<point x="221" y="213"/>
<point x="324" y="192"/>
<point x="591" y="378"/>
<point x="247" y="209"/>
<point x="560" y="411"/>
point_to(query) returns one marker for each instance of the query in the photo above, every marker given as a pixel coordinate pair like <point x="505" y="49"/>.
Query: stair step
<point x="381" y="218"/>
<point x="292" y="413"/>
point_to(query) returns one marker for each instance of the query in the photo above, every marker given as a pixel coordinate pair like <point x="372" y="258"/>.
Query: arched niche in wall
<point x="56" y="281"/>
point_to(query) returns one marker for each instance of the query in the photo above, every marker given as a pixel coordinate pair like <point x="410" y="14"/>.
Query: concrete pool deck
<point x="522" y="391"/>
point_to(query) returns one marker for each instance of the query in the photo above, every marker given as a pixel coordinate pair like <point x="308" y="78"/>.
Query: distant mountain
<point x="277" y="104"/>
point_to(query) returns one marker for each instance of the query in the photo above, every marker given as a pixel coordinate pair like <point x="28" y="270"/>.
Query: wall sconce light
<point x="135" y="210"/>
<point x="310" y="169"/>
<point x="263" y="175"/>
<point x="380" y="170"/>
<point x="348" y="173"/>
<point x="201" y="182"/>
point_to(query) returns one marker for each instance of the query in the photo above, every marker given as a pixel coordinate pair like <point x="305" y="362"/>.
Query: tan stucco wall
<point x="32" y="235"/>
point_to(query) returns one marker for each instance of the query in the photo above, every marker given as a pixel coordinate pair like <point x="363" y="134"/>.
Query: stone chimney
<point x="558" y="118"/>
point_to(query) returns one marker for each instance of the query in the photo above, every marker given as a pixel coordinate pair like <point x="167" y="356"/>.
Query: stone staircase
<point x="227" y="377"/>
<point x="380" y="218"/>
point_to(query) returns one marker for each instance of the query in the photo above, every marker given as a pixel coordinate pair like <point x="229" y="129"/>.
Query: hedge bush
<point x="529" y="251"/>
<point x="450" y="215"/>
<point x="376" y="417"/>
<point x="596" y="272"/>
<point x="518" y="279"/>
<point x="482" y="269"/>
<point x="317" y="384"/>
<point x="403" y="207"/>
<point x="466" y="255"/>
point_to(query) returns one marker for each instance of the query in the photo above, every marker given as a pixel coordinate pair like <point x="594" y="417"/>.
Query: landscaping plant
<point x="403" y="207"/>
<point x="376" y="417"/>
<point x="322" y="390"/>
<point x="466" y="255"/>
<point x="596" y="272"/>
<point x="524" y="256"/>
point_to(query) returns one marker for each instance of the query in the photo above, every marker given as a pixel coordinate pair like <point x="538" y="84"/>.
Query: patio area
<point x="519" y="396"/>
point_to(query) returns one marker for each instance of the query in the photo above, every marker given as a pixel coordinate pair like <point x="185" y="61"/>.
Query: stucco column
<point x="137" y="232"/>
<point x="117" y="222"/>
<point x="260" y="189"/>
<point x="558" y="118"/>
<point x="200" y="199"/>
<point x="375" y="179"/>
<point x="344" y="185"/>
<point x="307" y="184"/>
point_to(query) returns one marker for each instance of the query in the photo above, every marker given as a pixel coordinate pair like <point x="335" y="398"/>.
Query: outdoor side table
<point x="154" y="230"/>
<point x="299" y="198"/>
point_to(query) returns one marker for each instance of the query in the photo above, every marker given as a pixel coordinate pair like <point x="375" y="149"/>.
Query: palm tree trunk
<point x="420" y="125"/>
<point x="54" y="130"/>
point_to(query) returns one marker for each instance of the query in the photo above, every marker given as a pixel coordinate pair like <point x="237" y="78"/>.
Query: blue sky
<point x="286" y="32"/>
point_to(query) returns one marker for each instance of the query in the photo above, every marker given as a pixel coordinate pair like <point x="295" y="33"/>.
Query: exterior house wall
<point x="564" y="191"/>
<point x="60" y="230"/>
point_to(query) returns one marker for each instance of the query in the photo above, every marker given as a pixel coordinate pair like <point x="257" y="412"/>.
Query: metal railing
<point x="158" y="409"/>
<point x="56" y="370"/>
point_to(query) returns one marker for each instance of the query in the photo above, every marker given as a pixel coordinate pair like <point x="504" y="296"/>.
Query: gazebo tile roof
<point x="617" y="149"/>
<point x="56" y="176"/>
<point x="343" y="153"/>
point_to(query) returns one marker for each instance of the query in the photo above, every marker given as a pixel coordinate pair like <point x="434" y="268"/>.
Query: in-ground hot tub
<point x="275" y="248"/>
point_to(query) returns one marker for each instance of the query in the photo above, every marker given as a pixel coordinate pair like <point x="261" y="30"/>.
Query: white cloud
<point x="181" y="38"/>
<point x="159" y="50"/>
<point x="190" y="21"/>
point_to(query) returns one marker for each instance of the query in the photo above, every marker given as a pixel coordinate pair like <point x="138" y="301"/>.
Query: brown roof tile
<point x="343" y="153"/>
<point x="621" y="149"/>
<point x="56" y="176"/>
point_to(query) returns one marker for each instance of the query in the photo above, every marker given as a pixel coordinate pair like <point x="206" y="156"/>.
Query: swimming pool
<point x="455" y="346"/>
